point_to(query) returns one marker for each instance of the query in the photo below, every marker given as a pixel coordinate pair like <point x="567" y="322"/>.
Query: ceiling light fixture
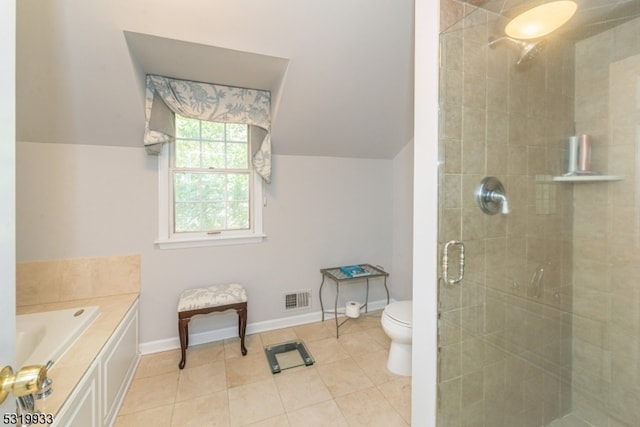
<point x="541" y="20"/>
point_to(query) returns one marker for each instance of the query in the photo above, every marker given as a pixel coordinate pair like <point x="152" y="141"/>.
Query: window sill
<point x="209" y="241"/>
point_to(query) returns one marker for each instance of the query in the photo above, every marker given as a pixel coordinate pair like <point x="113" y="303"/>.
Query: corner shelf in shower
<point x="588" y="178"/>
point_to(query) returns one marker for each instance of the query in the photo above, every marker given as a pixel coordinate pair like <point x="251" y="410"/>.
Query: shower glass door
<point x="544" y="327"/>
<point x="505" y="329"/>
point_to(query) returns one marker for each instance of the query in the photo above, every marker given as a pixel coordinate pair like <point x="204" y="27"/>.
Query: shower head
<point x="528" y="49"/>
<point x="531" y="50"/>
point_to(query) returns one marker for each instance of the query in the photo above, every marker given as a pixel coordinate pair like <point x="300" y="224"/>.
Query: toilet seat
<point x="400" y="312"/>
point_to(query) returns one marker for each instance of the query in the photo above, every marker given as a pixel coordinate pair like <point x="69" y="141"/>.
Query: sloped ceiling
<point x="341" y="72"/>
<point x="202" y="63"/>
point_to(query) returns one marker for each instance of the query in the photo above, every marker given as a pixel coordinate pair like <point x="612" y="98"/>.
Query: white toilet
<point x="396" y="323"/>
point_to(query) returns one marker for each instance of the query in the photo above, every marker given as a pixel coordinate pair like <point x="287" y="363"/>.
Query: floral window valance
<point x="165" y="96"/>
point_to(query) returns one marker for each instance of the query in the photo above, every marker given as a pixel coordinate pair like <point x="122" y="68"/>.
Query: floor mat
<point x="287" y="355"/>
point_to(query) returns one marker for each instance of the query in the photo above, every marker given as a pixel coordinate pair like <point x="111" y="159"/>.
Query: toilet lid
<point x="400" y="311"/>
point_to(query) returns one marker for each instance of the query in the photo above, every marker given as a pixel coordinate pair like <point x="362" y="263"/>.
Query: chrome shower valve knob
<point x="491" y="197"/>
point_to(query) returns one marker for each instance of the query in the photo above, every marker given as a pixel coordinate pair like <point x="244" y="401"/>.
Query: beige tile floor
<point x="349" y="384"/>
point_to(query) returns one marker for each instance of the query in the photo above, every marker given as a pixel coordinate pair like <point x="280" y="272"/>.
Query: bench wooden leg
<point x="242" y="328"/>
<point x="183" y="332"/>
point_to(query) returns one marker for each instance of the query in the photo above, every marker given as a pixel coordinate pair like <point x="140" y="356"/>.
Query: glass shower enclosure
<point x="543" y="329"/>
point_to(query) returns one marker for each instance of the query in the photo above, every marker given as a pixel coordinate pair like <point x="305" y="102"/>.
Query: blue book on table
<point x="353" y="270"/>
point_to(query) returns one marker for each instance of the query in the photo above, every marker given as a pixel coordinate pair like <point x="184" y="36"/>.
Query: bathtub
<point x="45" y="336"/>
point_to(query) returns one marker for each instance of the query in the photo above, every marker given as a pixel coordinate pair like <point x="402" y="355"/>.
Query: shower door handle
<point x="445" y="263"/>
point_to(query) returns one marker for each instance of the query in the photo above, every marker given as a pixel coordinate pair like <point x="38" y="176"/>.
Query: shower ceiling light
<point x="541" y="20"/>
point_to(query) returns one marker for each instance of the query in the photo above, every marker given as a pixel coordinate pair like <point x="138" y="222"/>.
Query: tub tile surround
<point x="112" y="283"/>
<point x="43" y="282"/>
<point x="348" y="385"/>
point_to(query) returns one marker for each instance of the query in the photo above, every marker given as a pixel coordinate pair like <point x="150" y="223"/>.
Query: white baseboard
<point x="252" y="328"/>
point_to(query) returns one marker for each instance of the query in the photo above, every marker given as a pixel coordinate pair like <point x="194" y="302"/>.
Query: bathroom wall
<point x="402" y="240"/>
<point x="76" y="201"/>
<point x="606" y="340"/>
<point x="505" y="340"/>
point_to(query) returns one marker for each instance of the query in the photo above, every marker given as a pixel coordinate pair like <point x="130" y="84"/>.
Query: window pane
<point x="238" y="187"/>
<point x="186" y="187"/>
<point x="212" y="197"/>
<point x="237" y="132"/>
<point x="213" y="154"/>
<point x="187" y="128"/>
<point x="213" y="187"/>
<point x="187" y="217"/>
<point x="237" y="155"/>
<point x="238" y="215"/>
<point x="215" y="217"/>
<point x="213" y="130"/>
<point x="187" y="154"/>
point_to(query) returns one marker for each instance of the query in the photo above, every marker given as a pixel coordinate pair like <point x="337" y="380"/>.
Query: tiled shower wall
<point x="505" y="337"/>
<point x="606" y="321"/>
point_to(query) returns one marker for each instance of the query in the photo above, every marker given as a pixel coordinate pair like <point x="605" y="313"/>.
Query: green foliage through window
<point x="211" y="176"/>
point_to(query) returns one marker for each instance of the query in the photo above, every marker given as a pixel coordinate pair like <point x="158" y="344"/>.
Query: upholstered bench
<point x="207" y="300"/>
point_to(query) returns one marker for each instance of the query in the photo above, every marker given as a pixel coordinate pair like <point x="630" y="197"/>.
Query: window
<point x="210" y="175"/>
<point x="212" y="194"/>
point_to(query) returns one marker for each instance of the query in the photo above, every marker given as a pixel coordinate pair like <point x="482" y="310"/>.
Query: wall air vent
<point x="297" y="299"/>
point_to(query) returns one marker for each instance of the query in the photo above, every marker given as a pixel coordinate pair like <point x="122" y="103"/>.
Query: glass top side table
<point x="339" y="277"/>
